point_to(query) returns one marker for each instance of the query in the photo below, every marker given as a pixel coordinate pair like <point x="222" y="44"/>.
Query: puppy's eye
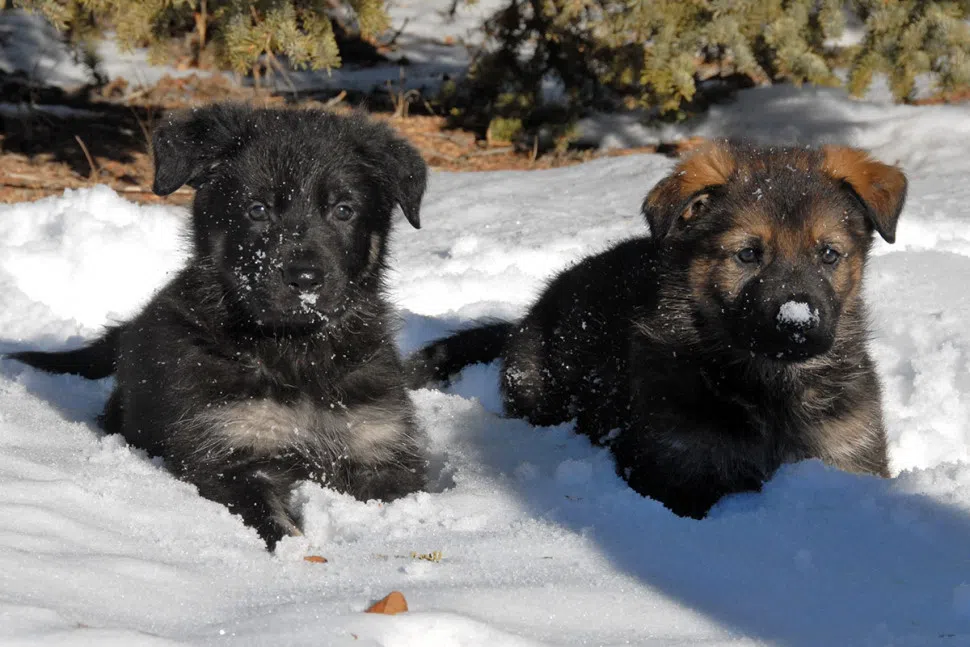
<point x="258" y="212"/>
<point x="344" y="212"/>
<point x="829" y="255"/>
<point x="749" y="255"/>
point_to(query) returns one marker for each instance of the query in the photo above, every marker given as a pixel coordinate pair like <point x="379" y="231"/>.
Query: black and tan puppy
<point x="270" y="359"/>
<point x="729" y="342"/>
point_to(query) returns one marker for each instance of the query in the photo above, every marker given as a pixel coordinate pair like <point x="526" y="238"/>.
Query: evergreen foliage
<point x="548" y="61"/>
<point x="240" y="32"/>
<point x="658" y="54"/>
<point x="905" y="38"/>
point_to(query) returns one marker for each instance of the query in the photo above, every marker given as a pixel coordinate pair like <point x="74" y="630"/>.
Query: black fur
<point x="270" y="358"/>
<point x="674" y="372"/>
<point x="95" y="361"/>
<point x="441" y="360"/>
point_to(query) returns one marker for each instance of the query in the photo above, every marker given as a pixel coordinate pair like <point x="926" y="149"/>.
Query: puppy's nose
<point x="303" y="278"/>
<point x="797" y="314"/>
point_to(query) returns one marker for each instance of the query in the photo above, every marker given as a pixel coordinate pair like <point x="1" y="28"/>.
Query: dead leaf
<point x="316" y="559"/>
<point x="393" y="603"/>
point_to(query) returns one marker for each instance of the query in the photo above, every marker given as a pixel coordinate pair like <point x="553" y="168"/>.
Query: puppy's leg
<point x="258" y="493"/>
<point x="111" y="419"/>
<point x="686" y="466"/>
<point x="386" y="481"/>
<point x="531" y="381"/>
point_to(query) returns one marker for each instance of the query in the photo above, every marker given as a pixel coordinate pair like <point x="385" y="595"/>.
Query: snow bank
<point x="542" y="544"/>
<point x="919" y="137"/>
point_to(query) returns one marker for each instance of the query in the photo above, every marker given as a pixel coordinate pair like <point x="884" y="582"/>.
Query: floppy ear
<point x="881" y="188"/>
<point x="682" y="195"/>
<point x="190" y="143"/>
<point x="408" y="175"/>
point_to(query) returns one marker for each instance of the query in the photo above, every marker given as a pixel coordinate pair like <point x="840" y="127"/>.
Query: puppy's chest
<point x="291" y="373"/>
<point x="320" y="432"/>
<point x="795" y="425"/>
<point x="737" y="421"/>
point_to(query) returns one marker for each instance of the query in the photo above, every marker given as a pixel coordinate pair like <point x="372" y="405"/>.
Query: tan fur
<point x="709" y="276"/>
<point x="750" y="223"/>
<point x="280" y="513"/>
<point x="793" y="245"/>
<point x="259" y="426"/>
<point x="827" y="226"/>
<point x="265" y="427"/>
<point x="839" y="441"/>
<point x="709" y="166"/>
<point x="881" y="187"/>
<point x="375" y="251"/>
<point x="699" y="277"/>
<point x="371" y="431"/>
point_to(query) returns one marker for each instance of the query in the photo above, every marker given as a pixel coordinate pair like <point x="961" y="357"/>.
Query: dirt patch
<point x="53" y="142"/>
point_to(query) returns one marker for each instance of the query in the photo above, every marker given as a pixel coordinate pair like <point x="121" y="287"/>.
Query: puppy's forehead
<point x="778" y="193"/>
<point x="308" y="164"/>
<point x="770" y="204"/>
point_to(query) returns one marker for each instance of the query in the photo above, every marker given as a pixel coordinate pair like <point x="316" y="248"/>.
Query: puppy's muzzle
<point x="802" y="326"/>
<point x="303" y="278"/>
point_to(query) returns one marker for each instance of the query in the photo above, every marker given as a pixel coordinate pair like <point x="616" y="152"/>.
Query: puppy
<point x="270" y="358"/>
<point x="729" y="342"/>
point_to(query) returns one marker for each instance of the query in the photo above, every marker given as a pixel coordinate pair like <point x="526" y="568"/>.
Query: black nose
<point x="797" y="314"/>
<point x="303" y="278"/>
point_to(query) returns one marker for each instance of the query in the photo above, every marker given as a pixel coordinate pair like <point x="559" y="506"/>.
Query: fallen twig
<point x="94" y="168"/>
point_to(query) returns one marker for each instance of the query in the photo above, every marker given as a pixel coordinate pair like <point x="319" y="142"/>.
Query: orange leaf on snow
<point x="393" y="603"/>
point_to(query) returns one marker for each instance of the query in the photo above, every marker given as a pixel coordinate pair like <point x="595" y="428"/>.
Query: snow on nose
<point x="797" y="317"/>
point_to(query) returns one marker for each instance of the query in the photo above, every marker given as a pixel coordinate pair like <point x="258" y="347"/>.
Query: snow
<point x="784" y="114"/>
<point x="797" y="312"/>
<point x="308" y="299"/>
<point x="541" y="543"/>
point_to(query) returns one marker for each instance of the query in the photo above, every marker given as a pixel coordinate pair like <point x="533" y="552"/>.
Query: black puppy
<point x="270" y="358"/>
<point x="731" y="341"/>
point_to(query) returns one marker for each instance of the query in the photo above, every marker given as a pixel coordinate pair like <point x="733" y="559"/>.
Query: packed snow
<point x="541" y="543"/>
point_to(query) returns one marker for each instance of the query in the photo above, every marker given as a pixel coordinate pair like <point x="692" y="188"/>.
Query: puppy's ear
<point x="190" y="143"/>
<point x="684" y="193"/>
<point x="408" y="175"/>
<point x="879" y="187"/>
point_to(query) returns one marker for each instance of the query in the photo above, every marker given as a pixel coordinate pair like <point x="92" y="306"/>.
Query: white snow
<point x="785" y="114"/>
<point x="308" y="299"/>
<point x="797" y="312"/>
<point x="542" y="543"/>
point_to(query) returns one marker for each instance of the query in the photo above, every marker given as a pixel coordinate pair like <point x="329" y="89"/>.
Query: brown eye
<point x="748" y="255"/>
<point x="829" y="255"/>
<point x="258" y="212"/>
<point x="344" y="212"/>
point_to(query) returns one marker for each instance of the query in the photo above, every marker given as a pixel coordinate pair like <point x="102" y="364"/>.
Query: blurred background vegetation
<point x="656" y="53"/>
<point x="673" y="57"/>
<point x="545" y="63"/>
